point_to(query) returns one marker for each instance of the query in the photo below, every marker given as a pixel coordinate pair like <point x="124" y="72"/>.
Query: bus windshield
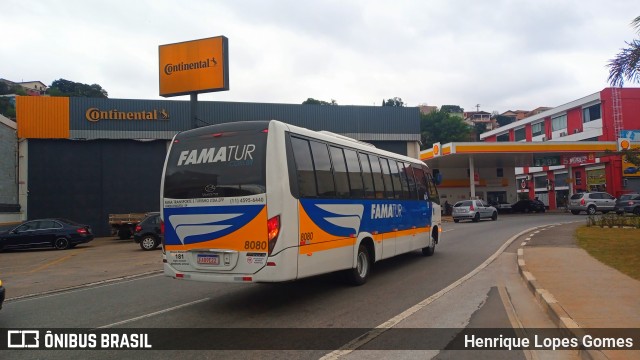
<point x="216" y="165"/>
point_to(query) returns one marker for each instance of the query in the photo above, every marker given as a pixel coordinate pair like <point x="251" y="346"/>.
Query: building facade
<point x="603" y="116"/>
<point x="86" y="158"/>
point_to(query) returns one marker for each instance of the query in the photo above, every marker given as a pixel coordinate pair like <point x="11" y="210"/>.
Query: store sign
<point x="578" y="159"/>
<point x="546" y="161"/>
<point x="96" y="114"/>
<point x="629" y="169"/>
<point x="194" y="66"/>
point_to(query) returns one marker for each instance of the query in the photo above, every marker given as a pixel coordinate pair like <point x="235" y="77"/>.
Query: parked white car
<point x="473" y="210"/>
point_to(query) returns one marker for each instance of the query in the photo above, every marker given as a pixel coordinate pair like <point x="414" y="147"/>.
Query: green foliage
<point x="451" y="109"/>
<point x="632" y="155"/>
<point x="7" y="108"/>
<point x="479" y="128"/>
<point x="62" y="87"/>
<point x="312" y="101"/>
<point x="442" y="127"/>
<point x="626" y="65"/>
<point x="396" y="101"/>
<point x="612" y="220"/>
<point x="504" y="120"/>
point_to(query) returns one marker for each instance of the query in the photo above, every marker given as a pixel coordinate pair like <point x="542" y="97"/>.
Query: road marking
<point x="153" y="314"/>
<point x="380" y="329"/>
<point x="78" y="288"/>
<point x="51" y="263"/>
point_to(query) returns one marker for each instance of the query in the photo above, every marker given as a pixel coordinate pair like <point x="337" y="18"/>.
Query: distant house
<point x="482" y="117"/>
<point x="33" y="88"/>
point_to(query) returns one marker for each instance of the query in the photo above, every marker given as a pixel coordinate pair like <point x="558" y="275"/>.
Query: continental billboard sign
<point x="194" y="66"/>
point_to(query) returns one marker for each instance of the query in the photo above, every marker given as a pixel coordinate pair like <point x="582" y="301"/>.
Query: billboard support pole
<point x="194" y="110"/>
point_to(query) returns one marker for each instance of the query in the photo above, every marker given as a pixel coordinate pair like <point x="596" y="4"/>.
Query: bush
<point x="613" y="220"/>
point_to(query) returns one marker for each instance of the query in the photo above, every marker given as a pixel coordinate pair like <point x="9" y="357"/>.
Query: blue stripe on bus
<point x="204" y="223"/>
<point x="347" y="217"/>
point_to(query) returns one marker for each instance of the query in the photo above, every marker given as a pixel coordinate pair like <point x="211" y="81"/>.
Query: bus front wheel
<point x="360" y="274"/>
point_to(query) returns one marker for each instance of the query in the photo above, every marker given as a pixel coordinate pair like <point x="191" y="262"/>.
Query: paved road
<point x="322" y="302"/>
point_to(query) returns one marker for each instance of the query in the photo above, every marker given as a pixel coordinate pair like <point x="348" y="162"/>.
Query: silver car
<point x="473" y="210"/>
<point x="592" y="202"/>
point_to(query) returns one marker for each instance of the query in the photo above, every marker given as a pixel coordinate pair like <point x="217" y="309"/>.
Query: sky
<point x="498" y="54"/>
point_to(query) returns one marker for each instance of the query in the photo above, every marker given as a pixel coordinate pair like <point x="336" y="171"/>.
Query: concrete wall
<point x="8" y="162"/>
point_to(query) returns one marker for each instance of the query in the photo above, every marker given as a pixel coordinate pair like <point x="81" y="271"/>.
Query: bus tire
<point x="431" y="249"/>
<point x="359" y="275"/>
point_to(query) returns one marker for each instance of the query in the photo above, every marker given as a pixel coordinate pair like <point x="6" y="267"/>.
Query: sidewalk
<point x="576" y="290"/>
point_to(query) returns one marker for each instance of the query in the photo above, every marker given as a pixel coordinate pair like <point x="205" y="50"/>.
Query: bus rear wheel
<point x="360" y="274"/>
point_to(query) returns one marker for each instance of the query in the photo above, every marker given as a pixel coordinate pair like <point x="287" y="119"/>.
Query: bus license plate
<point x="208" y="259"/>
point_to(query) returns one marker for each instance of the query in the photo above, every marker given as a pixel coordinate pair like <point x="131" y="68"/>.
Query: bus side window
<point x="340" y="172"/>
<point x="421" y="182"/>
<point x="304" y="167"/>
<point x="322" y="164"/>
<point x="403" y="179"/>
<point x="386" y="176"/>
<point x="355" y="176"/>
<point x="433" y="190"/>
<point x="412" y="181"/>
<point x="378" y="183"/>
<point x="395" y="179"/>
<point x="369" y="191"/>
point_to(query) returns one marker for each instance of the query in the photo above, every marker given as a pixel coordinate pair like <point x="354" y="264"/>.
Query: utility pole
<point x="477" y="107"/>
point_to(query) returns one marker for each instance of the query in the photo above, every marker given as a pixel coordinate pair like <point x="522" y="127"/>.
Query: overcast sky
<point x="503" y="55"/>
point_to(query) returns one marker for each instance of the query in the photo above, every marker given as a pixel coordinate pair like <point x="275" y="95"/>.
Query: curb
<point x="552" y="308"/>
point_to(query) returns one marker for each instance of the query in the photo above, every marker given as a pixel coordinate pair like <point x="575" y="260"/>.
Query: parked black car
<point x="148" y="233"/>
<point x="58" y="233"/>
<point x="632" y="205"/>
<point x="621" y="202"/>
<point x="528" y="205"/>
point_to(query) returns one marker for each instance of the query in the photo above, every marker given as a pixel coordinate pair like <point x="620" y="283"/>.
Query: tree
<point x="504" y="120"/>
<point x="312" y="101"/>
<point x="396" y="101"/>
<point x="62" y="87"/>
<point x="451" y="109"/>
<point x="626" y="65"/>
<point x="442" y="127"/>
<point x="479" y="128"/>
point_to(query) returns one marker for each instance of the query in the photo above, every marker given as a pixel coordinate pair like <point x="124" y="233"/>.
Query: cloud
<point x="501" y="54"/>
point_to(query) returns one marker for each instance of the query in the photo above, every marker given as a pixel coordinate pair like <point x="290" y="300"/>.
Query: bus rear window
<point x="216" y="165"/>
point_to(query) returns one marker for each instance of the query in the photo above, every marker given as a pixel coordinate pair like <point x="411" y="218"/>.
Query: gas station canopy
<point x="514" y="154"/>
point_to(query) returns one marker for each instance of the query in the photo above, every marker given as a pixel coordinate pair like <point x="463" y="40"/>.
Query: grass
<point x="618" y="248"/>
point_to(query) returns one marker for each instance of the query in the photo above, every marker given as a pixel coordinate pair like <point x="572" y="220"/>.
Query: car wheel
<point x="61" y="243"/>
<point x="575" y="212"/>
<point x="360" y="274"/>
<point x="636" y="211"/>
<point x="148" y="242"/>
<point x="476" y="218"/>
<point x="591" y="210"/>
<point x="494" y="217"/>
<point x="456" y="220"/>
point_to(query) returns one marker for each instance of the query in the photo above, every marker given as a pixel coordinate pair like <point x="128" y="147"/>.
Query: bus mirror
<point x="438" y="178"/>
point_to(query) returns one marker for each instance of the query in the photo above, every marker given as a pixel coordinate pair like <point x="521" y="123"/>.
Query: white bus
<point x="264" y="201"/>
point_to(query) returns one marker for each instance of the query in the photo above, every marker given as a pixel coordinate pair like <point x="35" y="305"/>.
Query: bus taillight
<point x="273" y="230"/>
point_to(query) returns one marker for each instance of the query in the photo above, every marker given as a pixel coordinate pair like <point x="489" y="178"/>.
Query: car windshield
<point x="576" y="196"/>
